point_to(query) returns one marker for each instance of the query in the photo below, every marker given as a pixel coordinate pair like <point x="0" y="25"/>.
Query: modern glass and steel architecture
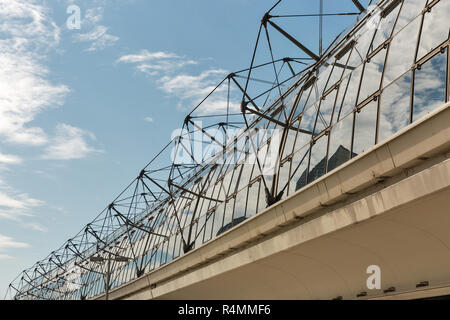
<point x="260" y="136"/>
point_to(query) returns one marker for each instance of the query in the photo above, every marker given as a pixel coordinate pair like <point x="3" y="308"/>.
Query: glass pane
<point x="363" y="40"/>
<point x="372" y="75"/>
<point x="326" y="110"/>
<point x="384" y="28"/>
<point x="239" y="206"/>
<point x="302" y="102"/>
<point x="365" y="126"/>
<point x="228" y="215"/>
<point x="252" y="200"/>
<point x="435" y="28"/>
<point x="401" y="52"/>
<point x="340" y="142"/>
<point x="323" y="77"/>
<point x="395" y="107"/>
<point x="283" y="178"/>
<point x="429" y="86"/>
<point x="410" y="10"/>
<point x="351" y="92"/>
<point x="318" y="161"/>
<point x="299" y="169"/>
<point x="309" y="118"/>
<point x="218" y="219"/>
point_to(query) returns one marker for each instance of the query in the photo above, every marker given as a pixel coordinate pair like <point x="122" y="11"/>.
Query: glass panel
<point x="363" y="40"/>
<point x="299" y="169"/>
<point x="218" y="219"/>
<point x="323" y="77"/>
<point x="429" y="86"/>
<point x="262" y="203"/>
<point x="326" y="110"/>
<point x="384" y="28"/>
<point x="351" y="92"/>
<point x="289" y="145"/>
<point x="252" y="199"/>
<point x="340" y="142"/>
<point x="302" y="102"/>
<point x="435" y="28"/>
<point x="209" y="227"/>
<point x="410" y="10"/>
<point x="228" y="215"/>
<point x="239" y="206"/>
<point x="401" y="52"/>
<point x="318" y="161"/>
<point x="365" y="125"/>
<point x="372" y="75"/>
<point x="309" y="118"/>
<point x="283" y="178"/>
<point x="395" y="107"/>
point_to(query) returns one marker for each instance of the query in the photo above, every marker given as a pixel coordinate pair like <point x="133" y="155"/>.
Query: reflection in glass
<point x="372" y="75"/>
<point x="252" y="202"/>
<point x="384" y="27"/>
<point x="351" y="91"/>
<point x="340" y="142"/>
<point x="326" y="110"/>
<point x="318" y="160"/>
<point x="429" y="85"/>
<point x="410" y="10"/>
<point x="303" y="99"/>
<point x="299" y="165"/>
<point x="395" y="107"/>
<point x="240" y="204"/>
<point x="363" y="39"/>
<point x="365" y="127"/>
<point x="401" y="52"/>
<point x="309" y="118"/>
<point x="435" y="28"/>
<point x="283" y="178"/>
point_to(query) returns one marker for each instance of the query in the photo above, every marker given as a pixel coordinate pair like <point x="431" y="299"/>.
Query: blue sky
<point x="83" y="110"/>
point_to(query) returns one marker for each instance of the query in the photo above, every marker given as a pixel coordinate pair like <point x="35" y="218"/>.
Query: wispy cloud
<point x="9" y="159"/>
<point x="7" y="243"/>
<point x="99" y="38"/>
<point x="98" y="35"/>
<point x="35" y="226"/>
<point x="70" y="143"/>
<point x="168" y="70"/>
<point x="27" y="33"/>
<point x="148" y="119"/>
<point x="14" y="205"/>
<point x="156" y="63"/>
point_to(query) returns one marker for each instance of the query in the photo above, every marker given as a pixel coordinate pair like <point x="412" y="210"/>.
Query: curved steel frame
<point x="324" y="109"/>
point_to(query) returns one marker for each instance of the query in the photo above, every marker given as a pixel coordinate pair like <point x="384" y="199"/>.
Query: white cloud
<point x="188" y="88"/>
<point x="145" y="55"/>
<point x="99" y="38"/>
<point x="14" y="205"/>
<point x="27" y="33"/>
<point x="9" y="159"/>
<point x="35" y="226"/>
<point x="70" y="143"/>
<point x="155" y="63"/>
<point x="98" y="35"/>
<point x="7" y="243"/>
<point x="149" y="119"/>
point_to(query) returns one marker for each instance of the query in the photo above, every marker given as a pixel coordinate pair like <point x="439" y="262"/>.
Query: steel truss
<point x="326" y="106"/>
